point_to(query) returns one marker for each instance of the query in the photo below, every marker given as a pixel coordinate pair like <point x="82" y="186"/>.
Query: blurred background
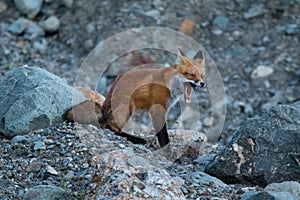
<point x="254" y="43"/>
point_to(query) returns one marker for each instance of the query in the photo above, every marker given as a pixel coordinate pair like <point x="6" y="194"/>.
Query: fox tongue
<point x="187" y="92"/>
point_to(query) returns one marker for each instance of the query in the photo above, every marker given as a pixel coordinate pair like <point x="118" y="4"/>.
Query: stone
<point x="51" y="170"/>
<point x="19" y="139"/>
<point x="39" y="145"/>
<point x="187" y="26"/>
<point x="32" y="98"/>
<point x="3" y="7"/>
<point x="153" y="13"/>
<point x="292" y="187"/>
<point x="40" y="45"/>
<point x="68" y="3"/>
<point x="267" y="195"/>
<point x="291" y="29"/>
<point x="18" y="26"/>
<point x="30" y="28"/>
<point x="221" y="22"/>
<point x="255" y="11"/>
<point x="51" y="24"/>
<point x="45" y="192"/>
<point x="264" y="150"/>
<point x="29" y="7"/>
<point x="262" y="71"/>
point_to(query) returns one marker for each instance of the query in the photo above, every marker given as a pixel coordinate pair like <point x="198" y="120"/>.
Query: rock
<point x="19" y="139"/>
<point x="268" y="195"/>
<point x="51" y="24"/>
<point x="187" y="26"/>
<point x="34" y="166"/>
<point x="255" y="11"/>
<point x="45" y="192"/>
<point x="203" y="178"/>
<point x="18" y="26"/>
<point x="32" y="98"/>
<point x="153" y="13"/>
<point x="221" y="22"/>
<point x="51" y="170"/>
<point x="262" y="71"/>
<point x="292" y="187"/>
<point x="68" y="3"/>
<point x="117" y="178"/>
<point x="26" y="26"/>
<point x="3" y="7"/>
<point x="264" y="149"/>
<point x="29" y="7"/>
<point x="291" y="29"/>
<point x="33" y="30"/>
<point x="39" y="145"/>
<point x="40" y="45"/>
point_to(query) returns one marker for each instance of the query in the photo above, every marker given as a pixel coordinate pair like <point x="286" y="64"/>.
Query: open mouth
<point x="188" y="91"/>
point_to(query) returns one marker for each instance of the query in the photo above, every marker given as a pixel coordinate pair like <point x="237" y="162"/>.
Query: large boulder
<point x="33" y="98"/>
<point x="264" y="150"/>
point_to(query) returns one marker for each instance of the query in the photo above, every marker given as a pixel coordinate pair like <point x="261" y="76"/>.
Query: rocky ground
<point x="255" y="45"/>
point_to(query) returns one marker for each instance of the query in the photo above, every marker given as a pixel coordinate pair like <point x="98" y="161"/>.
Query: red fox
<point x="149" y="89"/>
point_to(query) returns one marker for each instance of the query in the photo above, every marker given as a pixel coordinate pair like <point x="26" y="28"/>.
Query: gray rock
<point x="39" y="145"/>
<point x="51" y="24"/>
<point x="68" y="3"/>
<point x="18" y="26"/>
<point x="19" y="139"/>
<point x="205" y="179"/>
<point x="153" y="13"/>
<point x="29" y="7"/>
<point x="267" y="195"/>
<point x="263" y="150"/>
<point x="22" y="25"/>
<point x="291" y="29"/>
<point x="45" y="192"/>
<point x="33" y="30"/>
<point x="32" y="98"/>
<point x="255" y="11"/>
<point x="262" y="71"/>
<point x="221" y="22"/>
<point x="41" y="45"/>
<point x="292" y="187"/>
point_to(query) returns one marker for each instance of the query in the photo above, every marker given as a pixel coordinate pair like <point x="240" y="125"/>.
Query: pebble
<point x="68" y="3"/>
<point x="40" y="45"/>
<point x="255" y="11"/>
<point x="153" y="13"/>
<point x="70" y="174"/>
<point x="45" y="192"/>
<point x="51" y="24"/>
<point x="29" y="7"/>
<point x="208" y="121"/>
<point x="221" y="22"/>
<point x="51" y="170"/>
<point x="34" y="166"/>
<point x="262" y="71"/>
<point x="217" y="31"/>
<point x="39" y="145"/>
<point x="18" y="26"/>
<point x="3" y="7"/>
<point x="19" y="139"/>
<point x="291" y="29"/>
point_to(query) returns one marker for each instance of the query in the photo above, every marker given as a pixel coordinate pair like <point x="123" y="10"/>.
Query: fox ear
<point x="199" y="55"/>
<point x="182" y="58"/>
<point x="180" y="52"/>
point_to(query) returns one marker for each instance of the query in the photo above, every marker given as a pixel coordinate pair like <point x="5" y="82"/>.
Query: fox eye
<point x="187" y="73"/>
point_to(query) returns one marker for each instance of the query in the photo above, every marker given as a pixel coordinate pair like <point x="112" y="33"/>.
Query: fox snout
<point x="197" y="83"/>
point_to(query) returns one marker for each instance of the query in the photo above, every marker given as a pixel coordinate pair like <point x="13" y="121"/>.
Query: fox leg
<point x="158" y="114"/>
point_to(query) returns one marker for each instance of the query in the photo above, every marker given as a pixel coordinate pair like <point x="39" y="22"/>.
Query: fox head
<point x="192" y="72"/>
